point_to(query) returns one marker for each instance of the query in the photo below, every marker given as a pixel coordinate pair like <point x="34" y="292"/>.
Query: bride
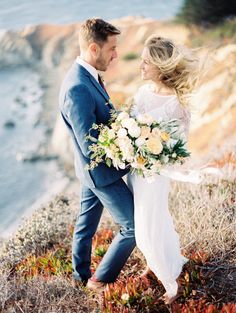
<point x="173" y="76"/>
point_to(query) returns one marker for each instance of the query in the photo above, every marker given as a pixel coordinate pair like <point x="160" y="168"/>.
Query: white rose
<point x="122" y="115"/>
<point x="129" y="158"/>
<point x="128" y="123"/>
<point x="123" y="142"/>
<point x="122" y="133"/>
<point x="115" y="126"/>
<point x="111" y="134"/>
<point x="134" y="131"/>
<point x="119" y="142"/>
<point x="140" y="141"/>
<point x="109" y="154"/>
<point x="127" y="153"/>
<point x="145" y="119"/>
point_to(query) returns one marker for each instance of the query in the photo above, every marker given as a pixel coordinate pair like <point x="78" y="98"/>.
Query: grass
<point x="36" y="264"/>
<point x="130" y="56"/>
<point x="223" y="33"/>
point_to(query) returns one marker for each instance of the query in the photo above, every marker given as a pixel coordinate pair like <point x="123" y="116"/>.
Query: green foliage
<point x="100" y="251"/>
<point x="55" y="262"/>
<point x="108" y="162"/>
<point x="206" y="11"/>
<point x="223" y="32"/>
<point x="130" y="56"/>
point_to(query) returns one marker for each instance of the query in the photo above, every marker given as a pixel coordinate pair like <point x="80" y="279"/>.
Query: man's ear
<point x="94" y="49"/>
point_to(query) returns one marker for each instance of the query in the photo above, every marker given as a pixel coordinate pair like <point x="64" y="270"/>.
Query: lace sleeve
<point x="138" y="105"/>
<point x="180" y="113"/>
<point x="179" y="172"/>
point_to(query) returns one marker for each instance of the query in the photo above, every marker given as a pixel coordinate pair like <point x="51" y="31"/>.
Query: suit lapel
<point x="97" y="86"/>
<point x="102" y="91"/>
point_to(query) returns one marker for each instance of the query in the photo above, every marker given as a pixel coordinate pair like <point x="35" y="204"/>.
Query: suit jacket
<point x="83" y="102"/>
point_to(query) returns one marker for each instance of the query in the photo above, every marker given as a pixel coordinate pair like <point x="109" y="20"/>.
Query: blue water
<point x="15" y="14"/>
<point x="21" y="183"/>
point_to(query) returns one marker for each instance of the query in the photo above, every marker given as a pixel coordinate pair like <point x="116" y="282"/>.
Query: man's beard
<point x="101" y="64"/>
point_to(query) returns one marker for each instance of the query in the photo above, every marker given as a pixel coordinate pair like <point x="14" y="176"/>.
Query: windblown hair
<point x="178" y="67"/>
<point x="96" y="30"/>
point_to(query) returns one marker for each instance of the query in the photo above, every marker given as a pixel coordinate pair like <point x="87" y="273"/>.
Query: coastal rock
<point x="61" y="143"/>
<point x="9" y="124"/>
<point x="214" y="104"/>
<point x="37" y="157"/>
<point x="49" y="42"/>
<point x="15" y="50"/>
<point x="56" y="50"/>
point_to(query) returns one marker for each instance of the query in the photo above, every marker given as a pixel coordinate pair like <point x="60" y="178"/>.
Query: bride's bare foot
<point x="168" y="299"/>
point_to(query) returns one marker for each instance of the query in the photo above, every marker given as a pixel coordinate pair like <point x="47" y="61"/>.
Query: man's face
<point x="106" y="53"/>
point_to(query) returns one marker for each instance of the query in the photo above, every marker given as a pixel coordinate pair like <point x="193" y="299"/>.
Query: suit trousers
<point x="118" y="199"/>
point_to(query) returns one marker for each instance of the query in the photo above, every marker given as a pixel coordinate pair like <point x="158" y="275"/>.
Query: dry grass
<point x="204" y="216"/>
<point x="50" y="225"/>
<point x="55" y="295"/>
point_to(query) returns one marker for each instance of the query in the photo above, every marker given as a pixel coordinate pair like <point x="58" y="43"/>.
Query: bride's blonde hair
<point x="178" y="66"/>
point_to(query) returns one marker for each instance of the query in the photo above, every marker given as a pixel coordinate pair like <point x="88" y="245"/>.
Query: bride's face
<point x="149" y="71"/>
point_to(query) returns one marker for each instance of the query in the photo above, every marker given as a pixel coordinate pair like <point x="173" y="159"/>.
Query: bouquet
<point x="140" y="143"/>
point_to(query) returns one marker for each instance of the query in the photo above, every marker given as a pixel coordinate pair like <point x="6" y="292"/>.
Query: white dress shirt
<point x="92" y="70"/>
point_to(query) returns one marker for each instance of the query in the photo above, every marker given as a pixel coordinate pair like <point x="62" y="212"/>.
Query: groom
<point x="84" y="101"/>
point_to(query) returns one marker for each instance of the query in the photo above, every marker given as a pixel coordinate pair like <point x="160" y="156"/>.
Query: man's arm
<point x="80" y="112"/>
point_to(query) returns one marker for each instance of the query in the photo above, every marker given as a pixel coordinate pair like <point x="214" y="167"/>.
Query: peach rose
<point x="154" y="145"/>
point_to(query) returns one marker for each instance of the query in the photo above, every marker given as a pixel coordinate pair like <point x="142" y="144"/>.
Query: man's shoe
<point x="95" y="285"/>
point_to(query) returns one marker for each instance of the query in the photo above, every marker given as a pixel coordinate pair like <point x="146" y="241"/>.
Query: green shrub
<point x="130" y="56"/>
<point x="206" y="11"/>
<point x="222" y="32"/>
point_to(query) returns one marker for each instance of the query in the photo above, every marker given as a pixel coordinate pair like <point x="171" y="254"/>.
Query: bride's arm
<point x="137" y="106"/>
<point x="183" y="115"/>
<point x="181" y="172"/>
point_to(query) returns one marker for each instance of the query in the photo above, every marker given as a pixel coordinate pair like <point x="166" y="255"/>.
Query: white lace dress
<point x="154" y="229"/>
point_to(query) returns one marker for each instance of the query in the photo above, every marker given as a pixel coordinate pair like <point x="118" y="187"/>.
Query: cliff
<point x="52" y="48"/>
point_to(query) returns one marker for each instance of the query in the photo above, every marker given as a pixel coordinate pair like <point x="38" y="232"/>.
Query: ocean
<point x="16" y="14"/>
<point x="23" y="184"/>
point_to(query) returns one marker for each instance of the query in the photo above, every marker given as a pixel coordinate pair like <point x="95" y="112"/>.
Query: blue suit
<point x="83" y="102"/>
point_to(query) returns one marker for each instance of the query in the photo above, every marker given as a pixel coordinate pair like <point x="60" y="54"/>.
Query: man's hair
<point x="96" y="30"/>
